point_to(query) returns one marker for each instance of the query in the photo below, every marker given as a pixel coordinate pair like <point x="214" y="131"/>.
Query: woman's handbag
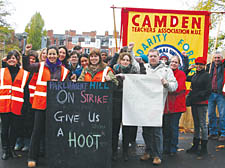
<point x="188" y="99"/>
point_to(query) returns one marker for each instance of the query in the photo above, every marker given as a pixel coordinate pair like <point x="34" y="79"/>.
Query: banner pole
<point x="218" y="31"/>
<point x="115" y="32"/>
<point x="116" y="7"/>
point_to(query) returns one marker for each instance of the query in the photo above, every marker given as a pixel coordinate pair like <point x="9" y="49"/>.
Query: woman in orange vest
<point x="97" y="70"/>
<point x="12" y="82"/>
<point x="27" y="118"/>
<point x="53" y="70"/>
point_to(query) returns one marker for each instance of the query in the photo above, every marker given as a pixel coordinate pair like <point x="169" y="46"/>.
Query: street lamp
<point x="43" y="42"/>
<point x="24" y="34"/>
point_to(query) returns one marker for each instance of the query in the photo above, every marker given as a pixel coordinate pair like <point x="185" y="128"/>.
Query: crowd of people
<point x="24" y="86"/>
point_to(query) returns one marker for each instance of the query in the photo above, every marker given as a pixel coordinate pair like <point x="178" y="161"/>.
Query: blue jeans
<point x="170" y="132"/>
<point x="219" y="100"/>
<point x="153" y="140"/>
<point x="199" y="117"/>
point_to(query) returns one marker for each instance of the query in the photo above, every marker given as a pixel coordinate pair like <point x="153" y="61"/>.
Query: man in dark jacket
<point x="216" y="70"/>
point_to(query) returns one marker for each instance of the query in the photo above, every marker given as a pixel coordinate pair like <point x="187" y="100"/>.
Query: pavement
<point x="215" y="158"/>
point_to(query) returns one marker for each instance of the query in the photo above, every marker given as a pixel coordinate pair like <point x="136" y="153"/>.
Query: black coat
<point x="201" y="87"/>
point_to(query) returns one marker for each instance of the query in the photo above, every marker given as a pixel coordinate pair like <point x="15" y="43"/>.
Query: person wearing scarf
<point x="56" y="68"/>
<point x="95" y="69"/>
<point x="123" y="66"/>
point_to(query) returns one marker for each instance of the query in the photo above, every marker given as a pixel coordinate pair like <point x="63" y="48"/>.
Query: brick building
<point x="87" y="40"/>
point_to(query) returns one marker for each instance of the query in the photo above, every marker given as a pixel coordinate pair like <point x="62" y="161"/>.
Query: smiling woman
<point x="12" y="61"/>
<point x="201" y="86"/>
<point x="52" y="56"/>
<point x="63" y="55"/>
<point x="123" y="66"/>
<point x="13" y="80"/>
<point x="97" y="70"/>
<point x="50" y="70"/>
<point x="174" y="107"/>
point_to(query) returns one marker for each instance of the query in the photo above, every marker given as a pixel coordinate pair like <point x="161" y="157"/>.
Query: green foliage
<point x="7" y="40"/>
<point x="4" y="26"/>
<point x="4" y="32"/>
<point x="3" y="13"/>
<point x="35" y="31"/>
<point x="213" y="6"/>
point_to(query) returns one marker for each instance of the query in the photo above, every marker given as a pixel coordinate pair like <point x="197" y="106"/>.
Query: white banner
<point x="142" y="100"/>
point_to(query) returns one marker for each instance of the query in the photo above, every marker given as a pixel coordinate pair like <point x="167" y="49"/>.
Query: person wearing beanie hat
<point x="197" y="98"/>
<point x="200" y="60"/>
<point x="33" y="56"/>
<point x="78" y="49"/>
<point x="26" y="120"/>
<point x="144" y="58"/>
<point x="163" y="57"/>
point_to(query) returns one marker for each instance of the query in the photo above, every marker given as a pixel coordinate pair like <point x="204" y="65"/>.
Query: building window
<point x="61" y="42"/>
<point x="75" y="40"/>
<point x="87" y="51"/>
<point x="54" y="42"/>
<point x="87" y="40"/>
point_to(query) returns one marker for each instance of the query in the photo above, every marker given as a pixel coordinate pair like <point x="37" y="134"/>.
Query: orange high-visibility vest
<point x="12" y="93"/>
<point x="40" y="94"/>
<point x="99" y="77"/>
<point x="32" y="86"/>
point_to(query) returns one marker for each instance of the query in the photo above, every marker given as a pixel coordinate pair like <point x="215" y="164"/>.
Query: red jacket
<point x="176" y="100"/>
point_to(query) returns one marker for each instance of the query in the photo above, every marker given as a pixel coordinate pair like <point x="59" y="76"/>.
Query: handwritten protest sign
<point x="78" y="124"/>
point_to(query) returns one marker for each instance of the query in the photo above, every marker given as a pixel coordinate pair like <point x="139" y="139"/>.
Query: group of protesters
<point x="23" y="91"/>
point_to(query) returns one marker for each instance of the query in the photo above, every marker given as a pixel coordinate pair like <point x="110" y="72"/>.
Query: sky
<point x="82" y="15"/>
